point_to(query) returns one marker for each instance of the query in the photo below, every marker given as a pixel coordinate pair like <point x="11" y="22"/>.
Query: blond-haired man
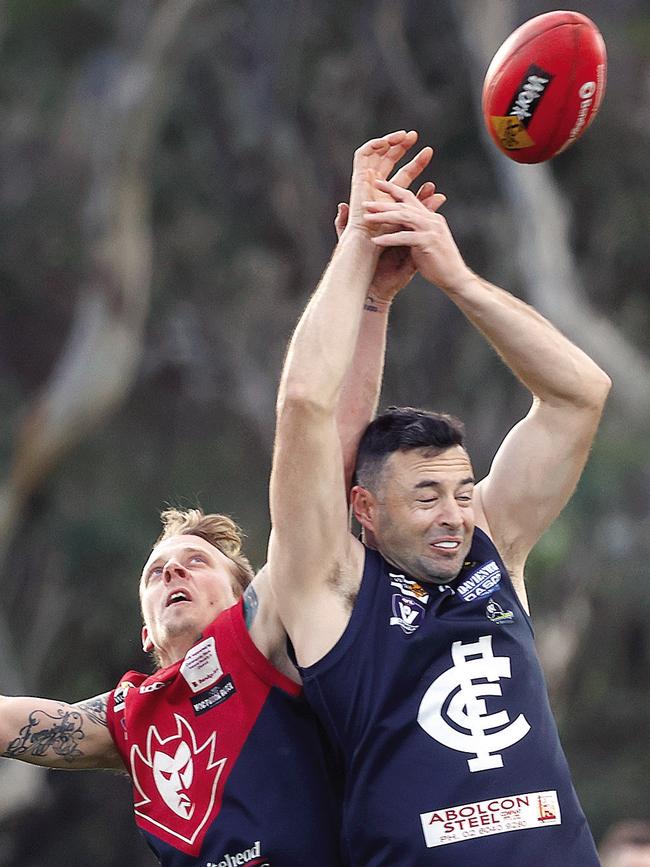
<point x="227" y="762"/>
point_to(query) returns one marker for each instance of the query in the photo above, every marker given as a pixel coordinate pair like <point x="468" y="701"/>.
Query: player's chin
<point x="445" y="567"/>
<point x="178" y="619"/>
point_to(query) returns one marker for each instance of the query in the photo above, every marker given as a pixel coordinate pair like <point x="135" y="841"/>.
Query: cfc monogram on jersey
<point x="435" y="699"/>
<point x="454" y="712"/>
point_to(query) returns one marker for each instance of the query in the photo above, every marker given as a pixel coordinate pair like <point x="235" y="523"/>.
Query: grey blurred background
<point x="169" y="173"/>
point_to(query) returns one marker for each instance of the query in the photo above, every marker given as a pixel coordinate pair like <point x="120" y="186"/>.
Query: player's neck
<point x="176" y="647"/>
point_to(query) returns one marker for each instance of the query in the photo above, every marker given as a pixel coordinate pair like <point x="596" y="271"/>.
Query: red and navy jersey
<point x="435" y="700"/>
<point x="227" y="761"/>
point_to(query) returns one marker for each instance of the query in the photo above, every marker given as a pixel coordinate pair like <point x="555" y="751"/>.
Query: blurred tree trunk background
<point x="169" y="175"/>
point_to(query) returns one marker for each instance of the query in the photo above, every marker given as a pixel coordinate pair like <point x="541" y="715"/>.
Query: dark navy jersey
<point x="435" y="701"/>
<point x="227" y="761"/>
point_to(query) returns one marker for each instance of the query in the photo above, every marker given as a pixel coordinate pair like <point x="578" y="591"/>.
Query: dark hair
<point x="401" y="428"/>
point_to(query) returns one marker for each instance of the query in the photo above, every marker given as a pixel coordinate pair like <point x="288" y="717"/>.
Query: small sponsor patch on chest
<point x="220" y="692"/>
<point x="495" y="816"/>
<point x="201" y="667"/>
<point x="479" y="583"/>
<point x="408" y="587"/>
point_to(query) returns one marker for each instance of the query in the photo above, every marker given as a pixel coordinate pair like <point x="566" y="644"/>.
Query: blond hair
<point x="219" y="530"/>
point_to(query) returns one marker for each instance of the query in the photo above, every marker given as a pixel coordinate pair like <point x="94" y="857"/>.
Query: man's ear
<point x="147" y="643"/>
<point x="363" y="507"/>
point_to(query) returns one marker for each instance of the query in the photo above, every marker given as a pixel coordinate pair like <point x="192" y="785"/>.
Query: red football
<point x="544" y="86"/>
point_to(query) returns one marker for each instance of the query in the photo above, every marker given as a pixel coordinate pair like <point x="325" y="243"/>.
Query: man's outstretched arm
<point x="56" y="734"/>
<point x="311" y="553"/>
<point x="539" y="463"/>
<point x="395" y="269"/>
<point x="359" y="394"/>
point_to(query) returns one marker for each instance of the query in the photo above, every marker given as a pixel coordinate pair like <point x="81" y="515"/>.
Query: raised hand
<point x="413" y="224"/>
<point x="395" y="267"/>
<point x="374" y="161"/>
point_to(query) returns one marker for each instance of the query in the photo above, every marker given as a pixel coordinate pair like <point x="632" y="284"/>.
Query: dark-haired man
<point x="418" y="654"/>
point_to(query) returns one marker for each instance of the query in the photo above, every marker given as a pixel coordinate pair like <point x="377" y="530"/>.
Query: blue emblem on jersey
<point x="407" y="613"/>
<point x="482" y="582"/>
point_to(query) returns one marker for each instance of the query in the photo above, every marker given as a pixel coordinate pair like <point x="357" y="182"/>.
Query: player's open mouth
<point x="446" y="545"/>
<point x="177" y="596"/>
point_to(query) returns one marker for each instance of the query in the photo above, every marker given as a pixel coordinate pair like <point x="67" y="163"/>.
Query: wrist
<point x="375" y="304"/>
<point x="359" y="236"/>
<point x="468" y="281"/>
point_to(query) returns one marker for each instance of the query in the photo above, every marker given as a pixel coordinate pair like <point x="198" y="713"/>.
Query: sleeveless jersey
<point x="435" y="700"/>
<point x="228" y="764"/>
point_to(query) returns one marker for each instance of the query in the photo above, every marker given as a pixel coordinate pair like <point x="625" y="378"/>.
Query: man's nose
<point x="173" y="570"/>
<point x="450" y="514"/>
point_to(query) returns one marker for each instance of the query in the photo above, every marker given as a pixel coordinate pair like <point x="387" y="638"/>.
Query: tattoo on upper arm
<point x="45" y="734"/>
<point x="251" y="604"/>
<point x="95" y="709"/>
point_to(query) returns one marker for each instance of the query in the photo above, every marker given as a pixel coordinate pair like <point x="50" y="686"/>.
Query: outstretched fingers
<point x="395" y="153"/>
<point x="406" y="238"/>
<point x="382" y="145"/>
<point x="405" y="176"/>
<point x="395" y="218"/>
<point x="375" y="206"/>
<point x="403" y="202"/>
<point x="409" y="217"/>
<point x="395" y="215"/>
<point x="432" y="201"/>
<point x="427" y="189"/>
<point x="398" y="193"/>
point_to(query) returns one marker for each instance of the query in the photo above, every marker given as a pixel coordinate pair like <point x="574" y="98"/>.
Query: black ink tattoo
<point x="251" y="604"/>
<point x="45" y="734"/>
<point x="370" y="304"/>
<point x="94" y="709"/>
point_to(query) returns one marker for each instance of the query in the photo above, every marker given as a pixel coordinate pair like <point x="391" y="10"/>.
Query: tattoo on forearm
<point x="47" y="735"/>
<point x="95" y="709"/>
<point x="370" y="304"/>
<point x="251" y="604"/>
<point x="376" y="305"/>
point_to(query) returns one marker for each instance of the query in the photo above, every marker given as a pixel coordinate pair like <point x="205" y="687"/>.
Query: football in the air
<point x="544" y="86"/>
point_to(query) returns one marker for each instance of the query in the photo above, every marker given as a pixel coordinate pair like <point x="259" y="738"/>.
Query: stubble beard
<point x="432" y="569"/>
<point x="423" y="568"/>
<point x="183" y="627"/>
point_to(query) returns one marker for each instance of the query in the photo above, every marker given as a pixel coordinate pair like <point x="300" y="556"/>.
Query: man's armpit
<point x="342" y="586"/>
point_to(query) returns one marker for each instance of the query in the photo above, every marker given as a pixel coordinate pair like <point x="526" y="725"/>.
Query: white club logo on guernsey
<point x="456" y="691"/>
<point x="177" y="772"/>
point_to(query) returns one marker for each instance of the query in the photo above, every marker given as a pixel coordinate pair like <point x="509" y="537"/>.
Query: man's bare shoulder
<point x="321" y="614"/>
<point x="512" y="559"/>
